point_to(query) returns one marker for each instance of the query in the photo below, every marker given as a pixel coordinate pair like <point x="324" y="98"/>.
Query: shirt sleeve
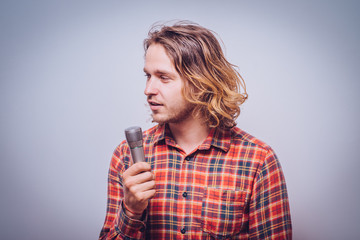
<point x="117" y="224"/>
<point x="269" y="216"/>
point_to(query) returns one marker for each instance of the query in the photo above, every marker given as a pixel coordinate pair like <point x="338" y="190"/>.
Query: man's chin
<point x="158" y="120"/>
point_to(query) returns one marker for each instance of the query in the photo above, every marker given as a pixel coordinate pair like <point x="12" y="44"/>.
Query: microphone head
<point x="134" y="136"/>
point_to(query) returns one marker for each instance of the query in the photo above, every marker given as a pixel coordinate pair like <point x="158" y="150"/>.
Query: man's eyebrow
<point x="160" y="72"/>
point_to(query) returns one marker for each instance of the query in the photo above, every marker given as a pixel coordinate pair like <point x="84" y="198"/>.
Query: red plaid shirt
<point x="231" y="186"/>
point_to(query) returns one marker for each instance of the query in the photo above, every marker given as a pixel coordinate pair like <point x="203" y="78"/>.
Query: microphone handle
<point x="137" y="154"/>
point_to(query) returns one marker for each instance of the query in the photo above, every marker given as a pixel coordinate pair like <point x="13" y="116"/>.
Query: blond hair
<point x="213" y="85"/>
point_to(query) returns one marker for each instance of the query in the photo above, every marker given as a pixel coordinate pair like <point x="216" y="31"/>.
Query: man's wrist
<point x="130" y="213"/>
<point x="130" y="225"/>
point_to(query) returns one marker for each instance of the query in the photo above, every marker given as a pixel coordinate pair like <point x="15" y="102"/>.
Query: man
<point x="203" y="177"/>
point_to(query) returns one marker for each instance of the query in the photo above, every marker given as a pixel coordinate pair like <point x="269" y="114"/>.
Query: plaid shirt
<point x="231" y="186"/>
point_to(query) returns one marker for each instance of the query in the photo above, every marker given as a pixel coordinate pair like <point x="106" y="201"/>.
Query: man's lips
<point x="154" y="105"/>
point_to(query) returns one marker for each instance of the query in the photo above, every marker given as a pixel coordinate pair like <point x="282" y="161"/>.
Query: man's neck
<point x="189" y="134"/>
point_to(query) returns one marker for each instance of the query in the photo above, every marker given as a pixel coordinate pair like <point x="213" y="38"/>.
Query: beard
<point x="176" y="114"/>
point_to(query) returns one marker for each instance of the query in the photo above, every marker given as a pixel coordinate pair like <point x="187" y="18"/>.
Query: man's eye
<point x="163" y="77"/>
<point x="147" y="76"/>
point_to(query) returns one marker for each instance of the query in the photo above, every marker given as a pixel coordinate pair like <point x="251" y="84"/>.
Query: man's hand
<point x="139" y="187"/>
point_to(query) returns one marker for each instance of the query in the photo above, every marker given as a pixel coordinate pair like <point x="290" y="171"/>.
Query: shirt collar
<point x="219" y="138"/>
<point x="159" y="133"/>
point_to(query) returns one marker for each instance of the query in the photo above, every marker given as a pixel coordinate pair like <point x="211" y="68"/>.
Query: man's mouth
<point x="154" y="105"/>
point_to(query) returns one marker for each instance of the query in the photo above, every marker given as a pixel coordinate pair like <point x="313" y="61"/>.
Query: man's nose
<point x="151" y="87"/>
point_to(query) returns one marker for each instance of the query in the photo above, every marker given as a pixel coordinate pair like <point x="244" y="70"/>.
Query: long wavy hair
<point x="213" y="85"/>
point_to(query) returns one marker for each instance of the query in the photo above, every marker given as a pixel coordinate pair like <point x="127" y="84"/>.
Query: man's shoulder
<point x="240" y="136"/>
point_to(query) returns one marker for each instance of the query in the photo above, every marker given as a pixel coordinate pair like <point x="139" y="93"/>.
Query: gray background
<point x="72" y="81"/>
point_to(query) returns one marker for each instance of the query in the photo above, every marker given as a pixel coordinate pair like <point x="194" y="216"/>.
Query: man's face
<point x="163" y="87"/>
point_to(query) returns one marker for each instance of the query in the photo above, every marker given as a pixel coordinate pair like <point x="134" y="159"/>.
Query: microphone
<point x="134" y="138"/>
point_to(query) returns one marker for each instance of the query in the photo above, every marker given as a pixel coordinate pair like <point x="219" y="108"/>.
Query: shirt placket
<point x="184" y="197"/>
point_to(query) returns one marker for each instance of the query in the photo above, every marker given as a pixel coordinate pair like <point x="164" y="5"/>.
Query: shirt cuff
<point x="132" y="228"/>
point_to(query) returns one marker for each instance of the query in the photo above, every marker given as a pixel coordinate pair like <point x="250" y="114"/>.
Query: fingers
<point x="149" y="194"/>
<point x="139" y="186"/>
<point x="137" y="168"/>
<point x="138" y="189"/>
<point x="142" y="177"/>
<point x="140" y="183"/>
<point x="142" y="192"/>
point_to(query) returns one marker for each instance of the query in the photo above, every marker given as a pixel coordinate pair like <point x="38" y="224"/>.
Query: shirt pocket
<point x="222" y="212"/>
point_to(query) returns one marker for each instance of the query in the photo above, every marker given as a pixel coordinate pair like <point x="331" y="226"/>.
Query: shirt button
<point x="183" y="230"/>
<point x="188" y="158"/>
<point x="184" y="194"/>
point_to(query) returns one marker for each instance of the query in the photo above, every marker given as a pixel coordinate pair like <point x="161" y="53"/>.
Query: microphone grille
<point x="133" y="134"/>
